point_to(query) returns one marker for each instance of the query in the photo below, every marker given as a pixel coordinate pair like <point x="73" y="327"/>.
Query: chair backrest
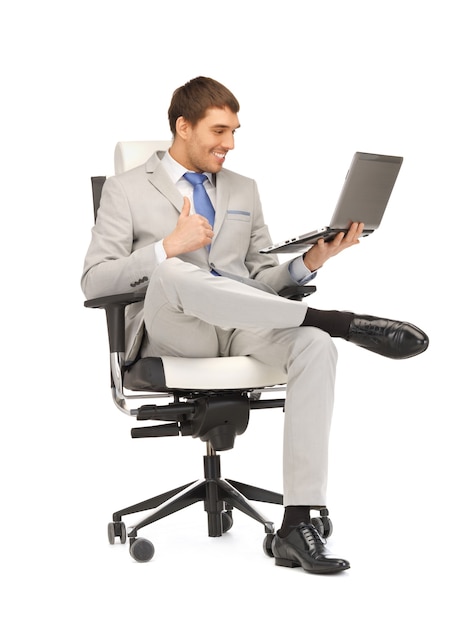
<point x="129" y="154"/>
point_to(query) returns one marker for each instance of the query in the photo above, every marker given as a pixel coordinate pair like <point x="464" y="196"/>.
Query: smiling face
<point x="202" y="147"/>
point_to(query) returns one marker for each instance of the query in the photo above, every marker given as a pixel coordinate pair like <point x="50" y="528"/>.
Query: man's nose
<point x="229" y="141"/>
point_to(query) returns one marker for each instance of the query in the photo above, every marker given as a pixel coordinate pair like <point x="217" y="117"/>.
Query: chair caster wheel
<point x="267" y="543"/>
<point x="227" y="521"/>
<point x="141" y="550"/>
<point x="324" y="526"/>
<point x="117" y="529"/>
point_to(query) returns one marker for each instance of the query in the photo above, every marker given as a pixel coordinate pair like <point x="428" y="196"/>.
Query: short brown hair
<point x="192" y="100"/>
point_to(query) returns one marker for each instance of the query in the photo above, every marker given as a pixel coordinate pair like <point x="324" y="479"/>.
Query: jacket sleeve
<point x="111" y="264"/>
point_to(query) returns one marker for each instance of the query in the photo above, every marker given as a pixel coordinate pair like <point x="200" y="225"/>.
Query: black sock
<point x="293" y="516"/>
<point x="335" y="323"/>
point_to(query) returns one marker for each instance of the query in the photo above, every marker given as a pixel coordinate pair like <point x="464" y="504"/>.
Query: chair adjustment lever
<point x="175" y="411"/>
<point x="274" y="403"/>
<point x="164" y="430"/>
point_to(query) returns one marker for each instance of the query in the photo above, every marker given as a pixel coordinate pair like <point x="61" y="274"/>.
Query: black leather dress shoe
<point x="303" y="547"/>
<point x="396" y="340"/>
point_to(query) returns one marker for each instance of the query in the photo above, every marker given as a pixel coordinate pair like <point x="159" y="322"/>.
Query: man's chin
<point x="215" y="169"/>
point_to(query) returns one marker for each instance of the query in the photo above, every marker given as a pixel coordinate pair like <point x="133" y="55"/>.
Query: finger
<point x="186" y="207"/>
<point x="202" y="221"/>
<point x="357" y="232"/>
<point x="352" y="230"/>
<point x="338" y="239"/>
<point x="353" y="233"/>
<point x="357" y="228"/>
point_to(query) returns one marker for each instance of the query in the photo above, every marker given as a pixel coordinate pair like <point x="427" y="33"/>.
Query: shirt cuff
<point x="300" y="272"/>
<point x="160" y="253"/>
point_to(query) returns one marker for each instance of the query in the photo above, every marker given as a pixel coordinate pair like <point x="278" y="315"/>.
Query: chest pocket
<point x="243" y="216"/>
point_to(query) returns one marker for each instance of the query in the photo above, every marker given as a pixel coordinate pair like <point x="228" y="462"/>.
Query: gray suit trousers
<point x="190" y="312"/>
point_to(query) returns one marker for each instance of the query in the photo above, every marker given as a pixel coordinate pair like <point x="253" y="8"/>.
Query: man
<point x="209" y="292"/>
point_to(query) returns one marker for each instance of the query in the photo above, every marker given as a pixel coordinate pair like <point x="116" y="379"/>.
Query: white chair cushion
<point x="234" y="372"/>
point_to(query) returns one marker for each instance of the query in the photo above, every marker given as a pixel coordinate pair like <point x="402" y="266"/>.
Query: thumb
<point x="186" y="207"/>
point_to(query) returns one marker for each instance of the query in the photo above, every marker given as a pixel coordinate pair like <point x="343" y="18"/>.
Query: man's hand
<point x="191" y="233"/>
<point x="322" y="251"/>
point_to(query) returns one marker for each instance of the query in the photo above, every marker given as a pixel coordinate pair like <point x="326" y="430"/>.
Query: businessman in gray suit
<point x="209" y="292"/>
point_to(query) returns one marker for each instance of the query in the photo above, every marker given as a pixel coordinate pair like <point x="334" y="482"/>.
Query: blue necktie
<point x="202" y="203"/>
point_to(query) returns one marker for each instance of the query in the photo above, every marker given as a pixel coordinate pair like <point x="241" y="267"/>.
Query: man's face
<point x="208" y="142"/>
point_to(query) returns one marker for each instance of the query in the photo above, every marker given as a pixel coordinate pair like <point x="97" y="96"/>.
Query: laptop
<point x="364" y="197"/>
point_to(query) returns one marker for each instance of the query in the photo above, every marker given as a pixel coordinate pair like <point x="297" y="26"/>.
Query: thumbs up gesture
<point x="192" y="232"/>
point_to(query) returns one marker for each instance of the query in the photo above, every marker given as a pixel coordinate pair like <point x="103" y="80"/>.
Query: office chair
<point x="206" y="398"/>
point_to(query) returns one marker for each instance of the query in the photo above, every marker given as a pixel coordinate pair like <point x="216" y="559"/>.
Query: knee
<point x="316" y="345"/>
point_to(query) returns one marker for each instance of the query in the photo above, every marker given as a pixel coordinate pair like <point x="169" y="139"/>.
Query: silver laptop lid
<point x="366" y="190"/>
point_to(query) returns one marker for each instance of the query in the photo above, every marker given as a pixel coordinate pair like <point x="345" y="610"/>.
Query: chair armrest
<point x="115" y="307"/>
<point x="297" y="292"/>
<point x="117" y="299"/>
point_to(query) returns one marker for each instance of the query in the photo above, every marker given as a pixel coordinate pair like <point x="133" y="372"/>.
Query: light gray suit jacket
<point x="142" y="206"/>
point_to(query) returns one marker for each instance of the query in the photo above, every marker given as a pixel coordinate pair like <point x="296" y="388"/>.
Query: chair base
<point x="220" y="497"/>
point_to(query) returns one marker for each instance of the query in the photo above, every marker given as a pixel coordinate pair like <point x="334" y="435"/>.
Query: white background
<point x="316" y="82"/>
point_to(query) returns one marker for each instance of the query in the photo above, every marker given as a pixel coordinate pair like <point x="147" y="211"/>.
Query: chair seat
<point x="201" y="374"/>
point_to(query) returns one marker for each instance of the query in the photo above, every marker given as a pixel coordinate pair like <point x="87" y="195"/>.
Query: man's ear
<point x="182" y="127"/>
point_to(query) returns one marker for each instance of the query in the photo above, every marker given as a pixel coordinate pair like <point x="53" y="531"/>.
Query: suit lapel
<point x="222" y="195"/>
<point x="160" y="180"/>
